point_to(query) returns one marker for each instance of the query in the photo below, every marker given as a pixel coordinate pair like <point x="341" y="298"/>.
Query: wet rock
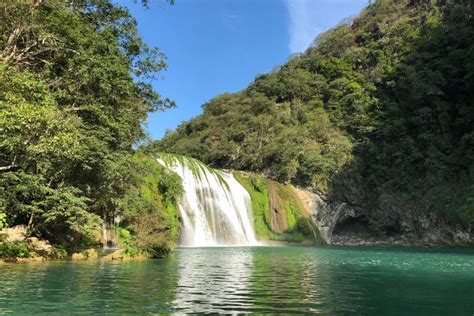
<point x="78" y="256"/>
<point x="278" y="218"/>
<point x="116" y="255"/>
<point x="139" y="257"/>
<point x="84" y="255"/>
<point x="31" y="259"/>
<point x="91" y="253"/>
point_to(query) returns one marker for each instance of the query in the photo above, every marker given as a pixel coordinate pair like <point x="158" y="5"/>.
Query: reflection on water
<point x="256" y="280"/>
<point x="210" y="277"/>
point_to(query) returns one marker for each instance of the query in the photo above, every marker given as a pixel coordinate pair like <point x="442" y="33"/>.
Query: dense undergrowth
<point x="12" y="250"/>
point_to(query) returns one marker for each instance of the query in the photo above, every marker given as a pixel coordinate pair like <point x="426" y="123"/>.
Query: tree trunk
<point x="30" y="221"/>
<point x="8" y="168"/>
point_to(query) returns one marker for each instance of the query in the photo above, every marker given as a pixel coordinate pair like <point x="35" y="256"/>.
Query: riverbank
<point x="86" y="255"/>
<point x="99" y="254"/>
<point x="17" y="247"/>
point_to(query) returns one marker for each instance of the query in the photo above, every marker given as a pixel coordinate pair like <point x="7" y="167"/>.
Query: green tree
<point x="75" y="89"/>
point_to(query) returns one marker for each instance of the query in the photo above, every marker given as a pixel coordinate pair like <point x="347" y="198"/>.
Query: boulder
<point x="31" y="259"/>
<point x="41" y="247"/>
<point x="91" y="253"/>
<point x="116" y="255"/>
<point x="13" y="234"/>
<point x="86" y="254"/>
<point x="78" y="256"/>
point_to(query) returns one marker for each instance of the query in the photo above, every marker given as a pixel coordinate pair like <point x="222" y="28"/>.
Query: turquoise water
<point x="332" y="281"/>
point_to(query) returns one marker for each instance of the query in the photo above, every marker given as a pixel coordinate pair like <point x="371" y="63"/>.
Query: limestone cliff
<point x="342" y="223"/>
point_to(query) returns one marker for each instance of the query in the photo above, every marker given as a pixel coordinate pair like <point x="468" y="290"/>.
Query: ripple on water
<point x="256" y="280"/>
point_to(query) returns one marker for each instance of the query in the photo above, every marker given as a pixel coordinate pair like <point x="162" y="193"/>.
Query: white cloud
<point x="303" y="25"/>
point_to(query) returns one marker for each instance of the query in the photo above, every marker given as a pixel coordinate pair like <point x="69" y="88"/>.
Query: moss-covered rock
<point x="150" y="221"/>
<point x="278" y="212"/>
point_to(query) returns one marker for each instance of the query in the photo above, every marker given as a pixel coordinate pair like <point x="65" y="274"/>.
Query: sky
<point x="218" y="46"/>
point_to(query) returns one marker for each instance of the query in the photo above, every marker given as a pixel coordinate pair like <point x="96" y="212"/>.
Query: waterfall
<point x="108" y="233"/>
<point x="215" y="209"/>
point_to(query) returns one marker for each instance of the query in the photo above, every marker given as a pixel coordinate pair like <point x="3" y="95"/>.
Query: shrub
<point x="127" y="242"/>
<point x="3" y="220"/>
<point x="12" y="250"/>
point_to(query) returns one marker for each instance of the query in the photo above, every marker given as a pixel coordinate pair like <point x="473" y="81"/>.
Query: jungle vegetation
<point x="378" y="113"/>
<point x="75" y="89"/>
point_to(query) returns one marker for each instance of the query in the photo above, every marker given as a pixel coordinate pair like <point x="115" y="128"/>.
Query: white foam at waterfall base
<point x="215" y="209"/>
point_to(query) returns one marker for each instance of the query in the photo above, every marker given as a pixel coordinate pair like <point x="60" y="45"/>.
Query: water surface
<point x="259" y="279"/>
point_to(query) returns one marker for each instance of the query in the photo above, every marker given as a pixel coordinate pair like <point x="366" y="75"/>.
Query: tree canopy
<point x="75" y="90"/>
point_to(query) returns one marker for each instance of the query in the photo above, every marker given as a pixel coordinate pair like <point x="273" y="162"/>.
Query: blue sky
<point x="217" y="46"/>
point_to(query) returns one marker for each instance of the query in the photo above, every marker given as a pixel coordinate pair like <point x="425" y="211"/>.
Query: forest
<point x="75" y="89"/>
<point x="378" y="113"/>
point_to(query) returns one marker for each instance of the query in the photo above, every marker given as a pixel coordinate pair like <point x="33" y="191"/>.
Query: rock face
<point x="38" y="249"/>
<point x="278" y="218"/>
<point x="41" y="247"/>
<point x="337" y="223"/>
<point x="13" y="234"/>
<point x="324" y="215"/>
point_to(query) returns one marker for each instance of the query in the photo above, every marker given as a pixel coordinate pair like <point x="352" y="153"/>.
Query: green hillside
<point x="378" y="113"/>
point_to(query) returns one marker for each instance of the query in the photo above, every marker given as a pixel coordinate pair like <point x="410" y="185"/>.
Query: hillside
<point x="377" y="116"/>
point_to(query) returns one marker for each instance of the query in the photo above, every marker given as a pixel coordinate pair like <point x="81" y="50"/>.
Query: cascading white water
<point x="108" y="232"/>
<point x="215" y="209"/>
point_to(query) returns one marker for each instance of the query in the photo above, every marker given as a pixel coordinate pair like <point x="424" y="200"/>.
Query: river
<point x="249" y="279"/>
